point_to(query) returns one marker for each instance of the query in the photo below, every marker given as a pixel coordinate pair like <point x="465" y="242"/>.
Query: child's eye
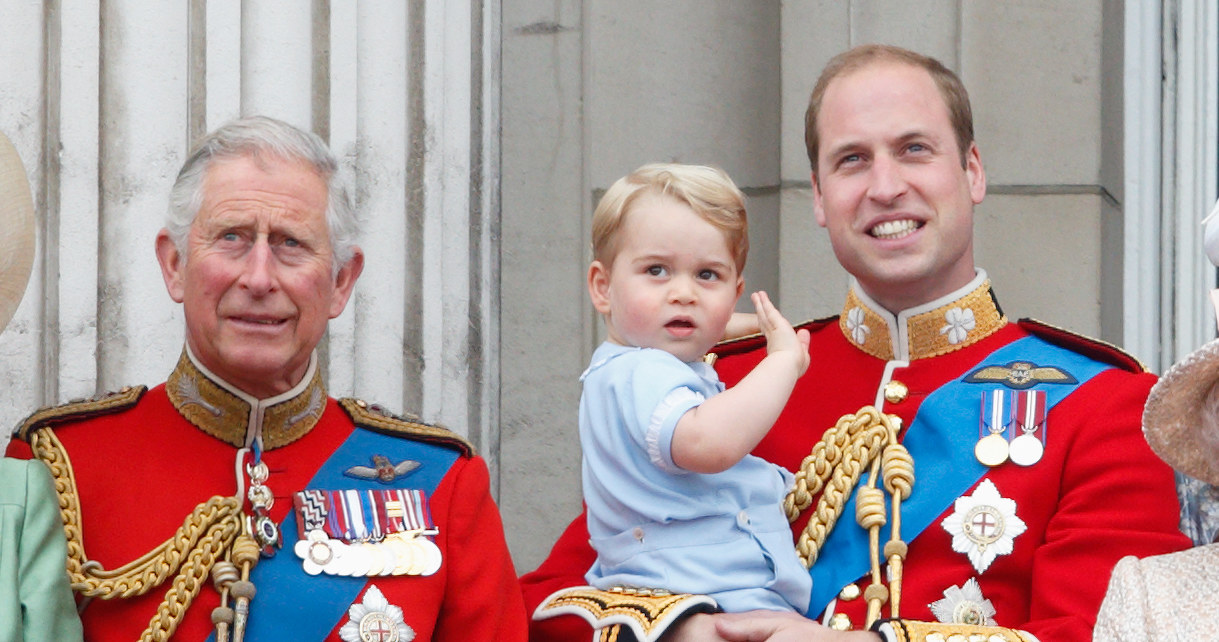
<point x="708" y="275"/>
<point x="656" y="270"/>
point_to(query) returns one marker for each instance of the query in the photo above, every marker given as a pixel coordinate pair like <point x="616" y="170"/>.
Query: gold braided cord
<point x="205" y="535"/>
<point x="218" y="539"/>
<point x="866" y="439"/>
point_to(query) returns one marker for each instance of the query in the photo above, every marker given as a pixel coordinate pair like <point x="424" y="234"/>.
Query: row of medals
<point x="403" y="553"/>
<point x="994" y="449"/>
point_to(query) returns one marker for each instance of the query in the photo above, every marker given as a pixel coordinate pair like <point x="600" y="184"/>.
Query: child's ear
<point x="598" y="286"/>
<point x="740" y="286"/>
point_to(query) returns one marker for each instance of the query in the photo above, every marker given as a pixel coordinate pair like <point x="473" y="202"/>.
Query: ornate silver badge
<point x="374" y="619"/>
<point x="983" y="525"/>
<point x="964" y="605"/>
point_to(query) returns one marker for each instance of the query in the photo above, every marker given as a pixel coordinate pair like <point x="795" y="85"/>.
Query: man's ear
<point x="598" y="286"/>
<point x="818" y="209"/>
<point x="173" y="266"/>
<point x="345" y="282"/>
<point x="975" y="173"/>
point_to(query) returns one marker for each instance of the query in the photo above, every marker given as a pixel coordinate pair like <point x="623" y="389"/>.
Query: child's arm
<point x="716" y="434"/>
<point x="743" y="324"/>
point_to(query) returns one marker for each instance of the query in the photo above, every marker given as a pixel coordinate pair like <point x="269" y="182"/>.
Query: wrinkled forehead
<point x="270" y="183"/>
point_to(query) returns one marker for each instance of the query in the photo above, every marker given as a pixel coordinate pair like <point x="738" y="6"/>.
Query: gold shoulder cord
<point x="206" y="537"/>
<point x="867" y="438"/>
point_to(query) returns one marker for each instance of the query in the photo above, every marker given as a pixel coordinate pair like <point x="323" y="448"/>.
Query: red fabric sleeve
<point x="482" y="598"/>
<point x="1116" y="498"/>
<point x="570" y="558"/>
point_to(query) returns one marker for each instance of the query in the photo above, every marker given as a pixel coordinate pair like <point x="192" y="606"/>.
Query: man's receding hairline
<point x="877" y="62"/>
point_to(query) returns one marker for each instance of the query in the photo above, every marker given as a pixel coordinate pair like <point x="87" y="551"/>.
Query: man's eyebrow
<point x="843" y="148"/>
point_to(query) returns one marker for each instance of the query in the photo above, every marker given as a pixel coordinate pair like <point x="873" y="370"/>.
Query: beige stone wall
<point x="593" y="89"/>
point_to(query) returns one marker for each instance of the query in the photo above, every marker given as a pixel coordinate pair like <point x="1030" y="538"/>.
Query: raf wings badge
<point x="382" y="469"/>
<point x="1020" y="375"/>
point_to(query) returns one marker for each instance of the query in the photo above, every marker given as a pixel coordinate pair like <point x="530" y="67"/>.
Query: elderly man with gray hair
<point x="238" y="499"/>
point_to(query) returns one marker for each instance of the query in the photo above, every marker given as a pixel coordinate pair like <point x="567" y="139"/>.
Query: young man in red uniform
<point x="237" y="500"/>
<point x="1031" y="475"/>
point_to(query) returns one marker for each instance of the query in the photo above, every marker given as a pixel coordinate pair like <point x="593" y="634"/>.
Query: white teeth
<point x="894" y="229"/>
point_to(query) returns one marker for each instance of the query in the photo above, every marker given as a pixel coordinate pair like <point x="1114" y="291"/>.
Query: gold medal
<point x="431" y="556"/>
<point x="376" y="562"/>
<point x="404" y="555"/>
<point x="991" y="450"/>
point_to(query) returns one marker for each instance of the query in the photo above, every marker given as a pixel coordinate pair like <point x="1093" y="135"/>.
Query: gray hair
<point x="253" y="137"/>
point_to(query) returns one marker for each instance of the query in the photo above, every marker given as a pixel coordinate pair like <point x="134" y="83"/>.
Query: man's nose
<point x="259" y="274"/>
<point x="888" y="181"/>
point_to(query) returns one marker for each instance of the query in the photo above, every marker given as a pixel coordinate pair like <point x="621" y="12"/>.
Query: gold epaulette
<point x="81" y="409"/>
<point x="375" y="417"/>
<point x="914" y="631"/>
<point x="757" y="340"/>
<point x="624" y="614"/>
<point x="1095" y="348"/>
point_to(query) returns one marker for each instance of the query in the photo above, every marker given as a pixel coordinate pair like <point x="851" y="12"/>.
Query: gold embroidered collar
<point x="953" y="322"/>
<point x="234" y="417"/>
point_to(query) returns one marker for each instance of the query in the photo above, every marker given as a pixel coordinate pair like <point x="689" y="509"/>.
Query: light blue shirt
<point x="655" y="525"/>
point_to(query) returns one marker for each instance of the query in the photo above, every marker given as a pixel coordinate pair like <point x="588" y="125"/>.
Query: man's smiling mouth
<point x="892" y="230"/>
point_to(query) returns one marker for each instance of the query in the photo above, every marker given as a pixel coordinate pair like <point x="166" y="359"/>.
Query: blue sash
<point x="941" y="440"/>
<point x="293" y="605"/>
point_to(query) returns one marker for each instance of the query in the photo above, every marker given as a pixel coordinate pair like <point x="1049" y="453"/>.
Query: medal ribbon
<point x="1028" y="412"/>
<point x="354" y="516"/>
<point x="293" y="605"/>
<point x="939" y="439"/>
<point x="993" y="403"/>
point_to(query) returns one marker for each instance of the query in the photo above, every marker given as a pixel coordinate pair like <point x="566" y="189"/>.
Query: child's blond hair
<point x="706" y="190"/>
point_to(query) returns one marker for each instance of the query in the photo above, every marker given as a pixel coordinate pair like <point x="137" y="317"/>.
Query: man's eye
<point x="230" y="236"/>
<point x="291" y="242"/>
<point x="656" y="270"/>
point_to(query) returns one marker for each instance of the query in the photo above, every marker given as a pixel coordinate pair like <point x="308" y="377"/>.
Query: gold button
<point x="896" y="392"/>
<point x="849" y="592"/>
<point x="840" y="622"/>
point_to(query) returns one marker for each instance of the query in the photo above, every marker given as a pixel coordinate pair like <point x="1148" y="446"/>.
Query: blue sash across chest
<point x="293" y="605"/>
<point x="941" y="440"/>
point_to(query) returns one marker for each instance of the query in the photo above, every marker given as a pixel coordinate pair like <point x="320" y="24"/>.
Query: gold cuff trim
<point x="915" y="631"/>
<point x="646" y="614"/>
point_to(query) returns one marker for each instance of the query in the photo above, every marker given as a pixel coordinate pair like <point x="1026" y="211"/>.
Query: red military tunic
<point x="1096" y="495"/>
<point x="143" y="466"/>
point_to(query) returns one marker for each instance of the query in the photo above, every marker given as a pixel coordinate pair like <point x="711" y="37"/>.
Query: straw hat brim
<point x="1178" y="428"/>
<point x="16" y="230"/>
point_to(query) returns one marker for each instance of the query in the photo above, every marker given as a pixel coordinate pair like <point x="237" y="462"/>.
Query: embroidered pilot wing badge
<point x="382" y="469"/>
<point x="374" y="619"/>
<point x="983" y="525"/>
<point x="1020" y="375"/>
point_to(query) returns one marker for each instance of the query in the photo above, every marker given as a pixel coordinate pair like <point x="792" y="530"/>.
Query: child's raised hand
<point x="780" y="336"/>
